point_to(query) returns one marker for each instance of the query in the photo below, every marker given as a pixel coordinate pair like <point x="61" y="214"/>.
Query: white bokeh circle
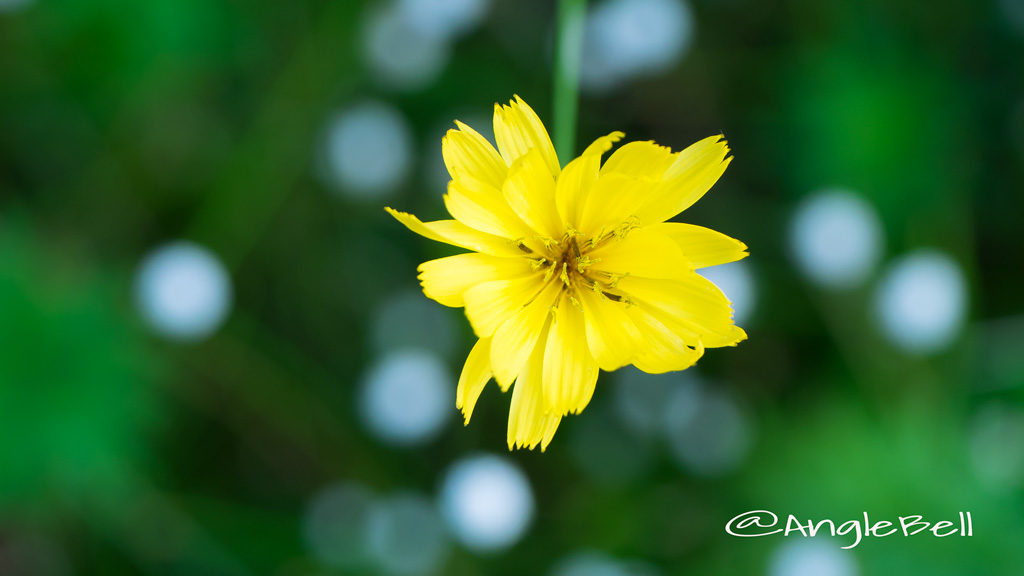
<point x="487" y="502"/>
<point x="183" y="291"/>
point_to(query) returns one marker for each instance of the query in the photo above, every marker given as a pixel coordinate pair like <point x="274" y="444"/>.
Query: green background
<point x="126" y="125"/>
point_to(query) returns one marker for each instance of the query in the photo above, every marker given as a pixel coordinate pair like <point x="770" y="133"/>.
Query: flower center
<point x="571" y="264"/>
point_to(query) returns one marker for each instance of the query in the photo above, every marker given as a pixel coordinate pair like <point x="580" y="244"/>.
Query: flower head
<point x="574" y="270"/>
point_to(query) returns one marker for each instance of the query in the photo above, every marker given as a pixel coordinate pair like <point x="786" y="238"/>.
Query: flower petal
<point x="447" y="279"/>
<point x="530" y="191"/>
<point x="693" y="173"/>
<point x="476" y="210"/>
<point x="491" y="304"/>
<point x="693" y="308"/>
<point x="702" y="246"/>
<point x="662" y="350"/>
<point x="603" y="144"/>
<point x="615" y="200"/>
<point x="579" y="176"/>
<point x="530" y="419"/>
<point x="515" y="339"/>
<point x="485" y="209"/>
<point x="475" y="375"/>
<point x="642" y="253"/>
<point x="570" y="371"/>
<point x="468" y="155"/>
<point x="612" y="337"/>
<point x="645" y="159"/>
<point x="517" y="129"/>
<point x="458" y="234"/>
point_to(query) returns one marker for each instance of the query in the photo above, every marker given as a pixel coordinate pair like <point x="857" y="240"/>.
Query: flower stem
<point x="568" y="53"/>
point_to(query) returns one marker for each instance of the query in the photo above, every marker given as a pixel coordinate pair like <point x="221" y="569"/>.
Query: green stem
<point x="568" y="53"/>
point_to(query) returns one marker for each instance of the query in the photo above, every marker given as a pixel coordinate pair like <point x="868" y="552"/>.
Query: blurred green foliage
<point x="78" y="393"/>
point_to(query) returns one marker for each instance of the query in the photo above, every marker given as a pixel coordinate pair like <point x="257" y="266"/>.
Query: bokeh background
<point x="214" y="357"/>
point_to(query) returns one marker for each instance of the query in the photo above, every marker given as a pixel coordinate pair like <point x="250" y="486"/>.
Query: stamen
<point x="565" y="273"/>
<point x="626" y="227"/>
<point x="547" y="241"/>
<point x="536" y="264"/>
<point x="619" y="232"/>
<point x="549" y="273"/>
<point x="576" y="303"/>
<point x="616" y="278"/>
<point x="624" y="299"/>
<point x="521" y="245"/>
<point x="583" y="261"/>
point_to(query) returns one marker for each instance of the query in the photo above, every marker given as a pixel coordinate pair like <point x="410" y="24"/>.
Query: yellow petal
<point x="550" y="426"/>
<point x="515" y="339"/>
<point x="642" y="253"/>
<point x="702" y="246"/>
<point x="603" y="144"/>
<point x="485" y="209"/>
<point x="458" y="234"/>
<point x="468" y="155"/>
<point x="530" y="191"/>
<point x="612" y="337"/>
<point x="645" y="159"/>
<point x="615" y="199"/>
<point x="579" y="176"/>
<point x="693" y="173"/>
<point x="570" y="371"/>
<point x="693" y="308"/>
<point x="478" y="211"/>
<point x="530" y="419"/>
<point x="517" y="129"/>
<point x="447" y="279"/>
<point x="663" y="350"/>
<point x="475" y="374"/>
<point x="491" y="304"/>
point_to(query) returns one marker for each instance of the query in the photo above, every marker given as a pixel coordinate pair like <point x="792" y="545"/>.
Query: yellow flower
<point x="574" y="269"/>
